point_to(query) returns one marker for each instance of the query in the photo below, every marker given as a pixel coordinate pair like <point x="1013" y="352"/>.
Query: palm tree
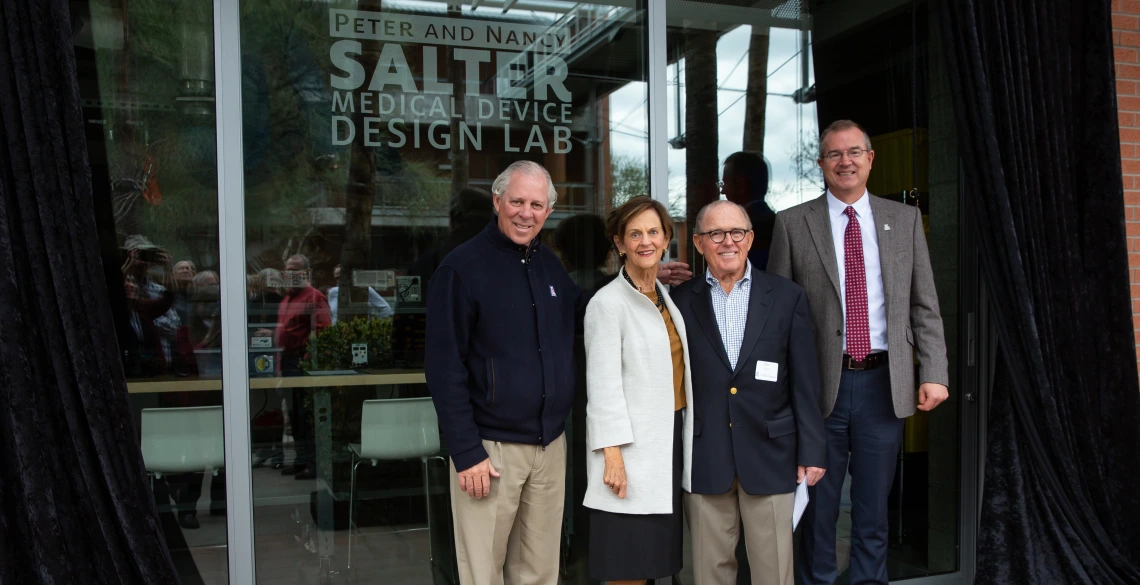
<point x="701" y="138"/>
<point x="756" y="100"/>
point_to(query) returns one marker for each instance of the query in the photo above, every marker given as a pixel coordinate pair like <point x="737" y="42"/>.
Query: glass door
<point x="372" y="133"/>
<point x="750" y="85"/>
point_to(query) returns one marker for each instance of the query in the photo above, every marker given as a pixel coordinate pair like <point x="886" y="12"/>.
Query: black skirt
<point x="640" y="546"/>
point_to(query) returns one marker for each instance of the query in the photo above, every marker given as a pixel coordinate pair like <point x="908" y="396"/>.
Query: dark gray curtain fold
<point x="1034" y="97"/>
<point x="74" y="500"/>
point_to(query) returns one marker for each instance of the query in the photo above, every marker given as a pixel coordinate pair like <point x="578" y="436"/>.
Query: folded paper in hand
<point x="801" y="503"/>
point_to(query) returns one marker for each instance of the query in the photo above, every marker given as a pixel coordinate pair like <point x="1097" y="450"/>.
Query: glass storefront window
<point x="372" y="131"/>
<point x="372" y="134"/>
<point x="146" y="73"/>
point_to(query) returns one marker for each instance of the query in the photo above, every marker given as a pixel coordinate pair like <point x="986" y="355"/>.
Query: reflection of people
<point x="471" y="210"/>
<point x="203" y="326"/>
<point x="264" y="300"/>
<point x="265" y="297"/>
<point x="201" y="330"/>
<point x="756" y="402"/>
<point x="834" y="247"/>
<point x="638" y="384"/>
<point x="183" y="279"/>
<point x="745" y="182"/>
<point x="501" y="315"/>
<point x="583" y="246"/>
<point x="378" y="308"/>
<point x="302" y="313"/>
<point x="152" y="317"/>
<point x="205" y="310"/>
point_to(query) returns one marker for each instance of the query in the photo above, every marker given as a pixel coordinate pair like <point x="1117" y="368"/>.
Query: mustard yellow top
<point x="678" y="352"/>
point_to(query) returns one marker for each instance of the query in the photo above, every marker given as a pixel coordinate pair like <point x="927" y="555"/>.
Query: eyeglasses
<point x="717" y="236"/>
<point x="835" y="155"/>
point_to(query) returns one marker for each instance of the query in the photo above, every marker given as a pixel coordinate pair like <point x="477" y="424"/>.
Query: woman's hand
<point x="614" y="477"/>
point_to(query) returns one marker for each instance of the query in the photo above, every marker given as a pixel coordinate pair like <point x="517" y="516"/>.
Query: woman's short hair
<point x="619" y="218"/>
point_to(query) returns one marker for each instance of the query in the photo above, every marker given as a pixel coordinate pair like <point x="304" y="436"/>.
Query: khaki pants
<point x="714" y="525"/>
<point x="513" y="536"/>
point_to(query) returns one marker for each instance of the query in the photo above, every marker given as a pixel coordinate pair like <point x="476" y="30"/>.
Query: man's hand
<point x="814" y="474"/>
<point x="476" y="480"/>
<point x="931" y="395"/>
<point x="614" y="476"/>
<point x="673" y="273"/>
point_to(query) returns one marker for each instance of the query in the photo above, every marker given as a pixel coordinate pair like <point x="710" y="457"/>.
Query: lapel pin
<point x="886" y="227"/>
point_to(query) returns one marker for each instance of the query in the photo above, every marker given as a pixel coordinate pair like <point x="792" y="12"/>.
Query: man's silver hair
<point x="303" y="258"/>
<point x="503" y="181"/>
<point x="718" y="203"/>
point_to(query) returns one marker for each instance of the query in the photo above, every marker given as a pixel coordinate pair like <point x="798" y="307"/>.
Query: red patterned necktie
<point x="855" y="279"/>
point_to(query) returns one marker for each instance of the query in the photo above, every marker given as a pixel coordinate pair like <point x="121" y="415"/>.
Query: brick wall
<point x="1126" y="39"/>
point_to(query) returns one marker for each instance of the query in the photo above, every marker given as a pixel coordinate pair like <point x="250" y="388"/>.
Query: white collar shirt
<point x="876" y="298"/>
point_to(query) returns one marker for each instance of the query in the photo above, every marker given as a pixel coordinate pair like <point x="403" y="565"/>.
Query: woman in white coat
<point x="637" y="384"/>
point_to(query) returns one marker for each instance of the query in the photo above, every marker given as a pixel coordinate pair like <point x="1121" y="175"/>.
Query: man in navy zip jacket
<point x="501" y="316"/>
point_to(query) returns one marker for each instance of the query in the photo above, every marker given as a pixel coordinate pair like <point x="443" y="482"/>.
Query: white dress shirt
<point x="876" y="299"/>
<point x="378" y="308"/>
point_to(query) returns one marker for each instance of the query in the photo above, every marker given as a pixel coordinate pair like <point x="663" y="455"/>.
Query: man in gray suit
<point x="864" y="264"/>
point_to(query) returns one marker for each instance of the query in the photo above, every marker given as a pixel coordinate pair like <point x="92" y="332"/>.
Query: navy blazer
<point x="754" y="430"/>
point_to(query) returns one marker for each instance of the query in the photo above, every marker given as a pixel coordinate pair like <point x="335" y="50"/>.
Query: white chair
<point x="183" y="440"/>
<point x="395" y="430"/>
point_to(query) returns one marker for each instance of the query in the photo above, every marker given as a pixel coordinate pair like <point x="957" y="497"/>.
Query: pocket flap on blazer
<point x="909" y="336"/>
<point x="781" y="426"/>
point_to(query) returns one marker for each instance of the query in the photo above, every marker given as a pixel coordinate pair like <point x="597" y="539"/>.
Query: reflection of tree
<point x="417" y="190"/>
<point x="805" y="153"/>
<point x="155" y="70"/>
<point x="701" y="136"/>
<point x="359" y="193"/>
<point x="808" y="179"/>
<point x="630" y="178"/>
<point x="460" y="158"/>
<point x="145" y="55"/>
<point x="756" y="100"/>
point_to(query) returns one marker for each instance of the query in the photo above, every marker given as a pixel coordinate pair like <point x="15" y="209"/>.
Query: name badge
<point x="767" y="371"/>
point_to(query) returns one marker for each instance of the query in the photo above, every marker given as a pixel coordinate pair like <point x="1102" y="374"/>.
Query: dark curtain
<point x="74" y="500"/>
<point x="1034" y="97"/>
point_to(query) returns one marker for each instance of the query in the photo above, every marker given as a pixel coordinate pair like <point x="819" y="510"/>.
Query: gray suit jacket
<point x="803" y="251"/>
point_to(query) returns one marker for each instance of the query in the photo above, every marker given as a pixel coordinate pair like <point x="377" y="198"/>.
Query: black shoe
<point x="291" y="469"/>
<point x="188" y="521"/>
<point x="305" y="473"/>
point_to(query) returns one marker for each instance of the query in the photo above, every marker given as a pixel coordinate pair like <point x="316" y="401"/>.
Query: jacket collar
<point x="502" y="242"/>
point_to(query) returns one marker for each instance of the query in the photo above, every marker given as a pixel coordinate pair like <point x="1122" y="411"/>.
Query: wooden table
<point x="192" y="384"/>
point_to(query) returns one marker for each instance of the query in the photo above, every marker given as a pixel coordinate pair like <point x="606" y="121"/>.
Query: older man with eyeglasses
<point x="757" y="427"/>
